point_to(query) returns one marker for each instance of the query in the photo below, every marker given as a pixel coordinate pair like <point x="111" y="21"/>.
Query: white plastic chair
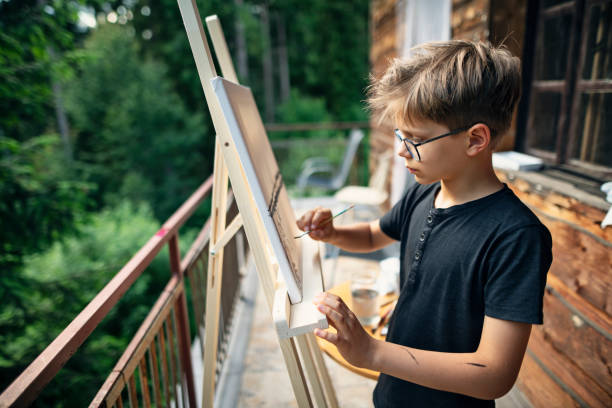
<point x="375" y="194"/>
<point x="315" y="167"/>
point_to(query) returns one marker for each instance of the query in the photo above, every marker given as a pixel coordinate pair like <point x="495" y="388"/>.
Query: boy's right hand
<point x="319" y="222"/>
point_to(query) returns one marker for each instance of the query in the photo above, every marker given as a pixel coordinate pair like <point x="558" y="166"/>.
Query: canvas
<point x="264" y="177"/>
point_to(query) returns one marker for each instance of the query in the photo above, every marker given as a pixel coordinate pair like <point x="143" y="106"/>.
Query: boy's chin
<point x="424" y="180"/>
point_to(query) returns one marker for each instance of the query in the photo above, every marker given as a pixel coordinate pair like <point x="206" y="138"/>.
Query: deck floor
<point x="265" y="382"/>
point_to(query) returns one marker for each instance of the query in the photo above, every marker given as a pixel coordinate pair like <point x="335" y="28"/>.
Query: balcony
<point x="163" y="365"/>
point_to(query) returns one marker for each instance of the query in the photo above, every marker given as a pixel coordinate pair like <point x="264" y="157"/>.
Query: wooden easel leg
<point x="311" y="370"/>
<point x="328" y="387"/>
<point x="252" y="224"/>
<point x="296" y="375"/>
<point x="213" y="286"/>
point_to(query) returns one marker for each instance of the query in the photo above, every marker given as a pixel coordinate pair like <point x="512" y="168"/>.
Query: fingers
<point x="304" y="221"/>
<point x="338" y="314"/>
<point x="320" y="217"/>
<point x="318" y="222"/>
<point x="331" y="300"/>
<point x="335" y="318"/>
<point x="313" y="219"/>
<point x="326" y="335"/>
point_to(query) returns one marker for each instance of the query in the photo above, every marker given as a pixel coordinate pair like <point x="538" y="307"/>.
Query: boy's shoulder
<point x="514" y="211"/>
<point x="503" y="208"/>
<point x="505" y="216"/>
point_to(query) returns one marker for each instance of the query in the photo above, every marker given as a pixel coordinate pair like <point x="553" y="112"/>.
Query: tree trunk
<point x="283" y="63"/>
<point x="268" y="76"/>
<point x="241" y="50"/>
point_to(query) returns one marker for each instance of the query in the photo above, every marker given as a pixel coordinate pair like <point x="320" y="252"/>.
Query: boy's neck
<point x="470" y="184"/>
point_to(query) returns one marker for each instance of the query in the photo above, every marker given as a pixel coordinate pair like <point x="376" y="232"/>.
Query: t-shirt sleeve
<point x="392" y="222"/>
<point x="516" y="278"/>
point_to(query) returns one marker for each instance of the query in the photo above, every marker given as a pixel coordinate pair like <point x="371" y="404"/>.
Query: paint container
<point x="364" y="295"/>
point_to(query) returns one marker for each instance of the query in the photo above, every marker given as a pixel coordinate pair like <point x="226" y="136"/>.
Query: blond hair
<point x="456" y="83"/>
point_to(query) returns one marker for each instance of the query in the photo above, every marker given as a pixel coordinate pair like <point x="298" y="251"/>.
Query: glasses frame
<point x="433" y="139"/>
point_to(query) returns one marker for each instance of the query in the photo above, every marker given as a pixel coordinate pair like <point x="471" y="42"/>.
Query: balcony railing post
<point x="183" y="322"/>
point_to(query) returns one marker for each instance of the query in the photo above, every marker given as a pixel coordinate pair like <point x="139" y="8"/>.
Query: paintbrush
<point x="385" y="317"/>
<point x="326" y="221"/>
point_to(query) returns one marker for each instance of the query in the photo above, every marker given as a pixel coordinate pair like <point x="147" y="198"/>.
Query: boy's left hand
<point x="352" y="341"/>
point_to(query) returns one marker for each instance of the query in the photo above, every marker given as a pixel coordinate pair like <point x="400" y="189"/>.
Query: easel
<point x="227" y="164"/>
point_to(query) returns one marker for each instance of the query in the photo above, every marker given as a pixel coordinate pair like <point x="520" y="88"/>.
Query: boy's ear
<point x="479" y="138"/>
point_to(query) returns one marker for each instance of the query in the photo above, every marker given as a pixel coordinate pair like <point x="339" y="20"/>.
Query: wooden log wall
<point x="385" y="46"/>
<point x="569" y="357"/>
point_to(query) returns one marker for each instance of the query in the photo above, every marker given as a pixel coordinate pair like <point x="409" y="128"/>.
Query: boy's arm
<point x="487" y="373"/>
<point x="360" y="237"/>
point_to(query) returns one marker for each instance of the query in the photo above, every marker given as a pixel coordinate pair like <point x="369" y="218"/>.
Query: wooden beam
<point x="229" y="232"/>
<point x="220" y="47"/>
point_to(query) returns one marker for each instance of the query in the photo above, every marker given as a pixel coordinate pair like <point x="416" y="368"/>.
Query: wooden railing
<point x="156" y="367"/>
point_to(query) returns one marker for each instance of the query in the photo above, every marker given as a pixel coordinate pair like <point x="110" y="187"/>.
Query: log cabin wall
<point x="497" y="21"/>
<point x="569" y="358"/>
<point x="385" y="45"/>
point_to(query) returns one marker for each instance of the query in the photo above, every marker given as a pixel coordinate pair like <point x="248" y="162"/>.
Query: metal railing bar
<point x="154" y="367"/>
<point x="178" y="386"/>
<point x="164" y="363"/>
<point x="111" y="388"/>
<point x="196" y="299"/>
<point x="137" y="347"/>
<point x="132" y="392"/>
<point x="173" y="371"/>
<point x="198" y="245"/>
<point x="305" y="126"/>
<point x="182" y="324"/>
<point x="144" y="381"/>
<point x="181" y="215"/>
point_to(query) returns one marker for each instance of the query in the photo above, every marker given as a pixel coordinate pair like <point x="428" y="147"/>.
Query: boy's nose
<point x="403" y="152"/>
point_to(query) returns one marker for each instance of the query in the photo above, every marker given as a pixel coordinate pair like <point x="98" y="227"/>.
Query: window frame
<point x="570" y="88"/>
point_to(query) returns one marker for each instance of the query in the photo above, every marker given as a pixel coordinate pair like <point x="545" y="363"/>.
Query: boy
<point x="473" y="258"/>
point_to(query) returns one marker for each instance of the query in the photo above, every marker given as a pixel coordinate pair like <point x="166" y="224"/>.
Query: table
<point x="343" y="291"/>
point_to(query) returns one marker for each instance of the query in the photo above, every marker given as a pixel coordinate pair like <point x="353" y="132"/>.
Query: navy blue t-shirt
<point x="485" y="257"/>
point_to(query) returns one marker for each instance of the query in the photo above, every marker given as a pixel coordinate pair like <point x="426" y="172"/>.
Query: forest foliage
<point x="104" y="133"/>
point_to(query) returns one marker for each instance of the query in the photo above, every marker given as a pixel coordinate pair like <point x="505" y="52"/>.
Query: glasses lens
<point x="412" y="150"/>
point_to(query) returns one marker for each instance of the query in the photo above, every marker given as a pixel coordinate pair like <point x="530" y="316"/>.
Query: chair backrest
<point x="381" y="172"/>
<point x="349" y="154"/>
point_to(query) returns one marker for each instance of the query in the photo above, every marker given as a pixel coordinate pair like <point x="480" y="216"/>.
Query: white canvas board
<point x="264" y="178"/>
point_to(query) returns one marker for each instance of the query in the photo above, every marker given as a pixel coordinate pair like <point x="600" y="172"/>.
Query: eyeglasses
<point x="411" y="147"/>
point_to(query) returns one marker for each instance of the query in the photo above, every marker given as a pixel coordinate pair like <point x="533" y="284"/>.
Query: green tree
<point x="327" y="43"/>
<point x="39" y="197"/>
<point x="328" y="52"/>
<point x="34" y="35"/>
<point x="133" y="132"/>
<point x="60" y="281"/>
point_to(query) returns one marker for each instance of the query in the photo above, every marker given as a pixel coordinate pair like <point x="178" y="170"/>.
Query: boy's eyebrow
<point x="410" y="135"/>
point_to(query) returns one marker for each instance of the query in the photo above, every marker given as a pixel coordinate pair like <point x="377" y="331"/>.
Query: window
<point x="568" y="93"/>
